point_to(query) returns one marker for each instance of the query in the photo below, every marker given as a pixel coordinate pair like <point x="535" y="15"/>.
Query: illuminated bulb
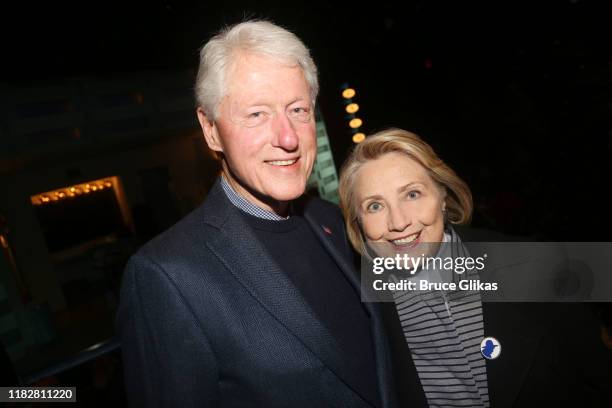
<point x="45" y="199"/>
<point x="352" y="108"/>
<point x="358" y="137"/>
<point x="355" y="123"/>
<point x="70" y="194"/>
<point x="77" y="190"/>
<point x="348" y="93"/>
<point x="94" y="188"/>
<point x="108" y="184"/>
<point x="72" y="189"/>
<point x="86" y="191"/>
<point x="62" y="195"/>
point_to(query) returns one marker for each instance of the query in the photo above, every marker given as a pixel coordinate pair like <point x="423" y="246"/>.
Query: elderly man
<point x="251" y="300"/>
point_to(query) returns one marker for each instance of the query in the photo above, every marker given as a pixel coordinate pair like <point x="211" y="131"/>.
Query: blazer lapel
<point x="250" y="264"/>
<point x="326" y="237"/>
<point x="381" y="349"/>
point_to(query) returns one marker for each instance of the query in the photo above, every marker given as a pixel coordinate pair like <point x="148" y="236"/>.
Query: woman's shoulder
<point x="471" y="234"/>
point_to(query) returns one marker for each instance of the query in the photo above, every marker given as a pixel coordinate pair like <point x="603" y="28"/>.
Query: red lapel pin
<point x="326" y="229"/>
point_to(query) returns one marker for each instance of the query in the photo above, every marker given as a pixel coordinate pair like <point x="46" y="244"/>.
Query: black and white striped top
<point x="443" y="331"/>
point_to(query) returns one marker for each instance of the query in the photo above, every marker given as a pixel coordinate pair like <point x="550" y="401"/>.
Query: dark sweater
<point x="293" y="245"/>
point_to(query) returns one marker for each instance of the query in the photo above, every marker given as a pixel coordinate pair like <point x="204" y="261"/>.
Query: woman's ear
<point x="209" y="129"/>
<point x="443" y="198"/>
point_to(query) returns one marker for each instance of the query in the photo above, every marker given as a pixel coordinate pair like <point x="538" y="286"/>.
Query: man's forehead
<point x="252" y="75"/>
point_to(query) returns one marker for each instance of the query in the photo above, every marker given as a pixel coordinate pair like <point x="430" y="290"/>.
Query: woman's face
<point x="399" y="206"/>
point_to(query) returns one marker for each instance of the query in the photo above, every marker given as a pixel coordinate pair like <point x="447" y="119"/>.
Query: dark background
<point x="515" y="97"/>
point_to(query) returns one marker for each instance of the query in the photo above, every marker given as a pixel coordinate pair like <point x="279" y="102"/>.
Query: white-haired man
<point x="252" y="300"/>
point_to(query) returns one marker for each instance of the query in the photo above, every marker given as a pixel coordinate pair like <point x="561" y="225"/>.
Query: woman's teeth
<point x="406" y="240"/>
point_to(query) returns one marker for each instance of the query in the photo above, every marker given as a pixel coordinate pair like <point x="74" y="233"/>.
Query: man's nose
<point x="285" y="135"/>
<point x="397" y="219"/>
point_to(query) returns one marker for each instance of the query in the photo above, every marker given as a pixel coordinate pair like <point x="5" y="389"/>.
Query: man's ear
<point x="211" y="135"/>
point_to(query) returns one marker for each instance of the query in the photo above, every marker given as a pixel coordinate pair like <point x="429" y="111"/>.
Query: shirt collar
<point x="243" y="204"/>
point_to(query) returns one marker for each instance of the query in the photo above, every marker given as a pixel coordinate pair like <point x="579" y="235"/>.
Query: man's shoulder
<point x="186" y="236"/>
<point x="200" y="225"/>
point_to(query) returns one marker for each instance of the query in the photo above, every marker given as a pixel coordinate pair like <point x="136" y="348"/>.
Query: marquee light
<point x="69" y="192"/>
<point x="358" y="137"/>
<point x="352" y="108"/>
<point x="355" y="123"/>
<point x="348" y="93"/>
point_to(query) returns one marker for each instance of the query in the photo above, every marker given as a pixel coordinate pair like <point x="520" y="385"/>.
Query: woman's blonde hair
<point x="458" y="197"/>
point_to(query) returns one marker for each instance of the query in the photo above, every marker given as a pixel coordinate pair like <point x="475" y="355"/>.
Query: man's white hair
<point x="256" y="37"/>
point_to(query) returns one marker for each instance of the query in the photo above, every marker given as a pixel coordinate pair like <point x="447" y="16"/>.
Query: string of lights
<point x="351" y="109"/>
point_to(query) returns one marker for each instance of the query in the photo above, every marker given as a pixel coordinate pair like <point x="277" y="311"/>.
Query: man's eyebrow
<point x="262" y="102"/>
<point x="298" y="99"/>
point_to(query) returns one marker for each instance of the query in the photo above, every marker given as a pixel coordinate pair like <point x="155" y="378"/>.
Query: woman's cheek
<point x="373" y="227"/>
<point x="430" y="212"/>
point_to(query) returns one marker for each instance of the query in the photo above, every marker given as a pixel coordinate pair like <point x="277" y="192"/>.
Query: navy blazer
<point x="551" y="355"/>
<point x="206" y="318"/>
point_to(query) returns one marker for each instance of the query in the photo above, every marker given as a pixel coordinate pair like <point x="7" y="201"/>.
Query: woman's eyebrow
<point x="407" y="186"/>
<point x="399" y="190"/>
<point x="373" y="196"/>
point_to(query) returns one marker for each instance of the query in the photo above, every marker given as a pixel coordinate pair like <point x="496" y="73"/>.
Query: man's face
<point x="265" y="130"/>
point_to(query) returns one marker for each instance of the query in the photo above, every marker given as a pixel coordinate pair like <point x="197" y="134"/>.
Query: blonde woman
<point x="396" y="195"/>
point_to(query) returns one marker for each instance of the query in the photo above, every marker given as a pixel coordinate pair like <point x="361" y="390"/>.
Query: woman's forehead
<point x="389" y="171"/>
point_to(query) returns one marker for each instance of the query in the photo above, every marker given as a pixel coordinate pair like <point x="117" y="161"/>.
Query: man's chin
<point x="286" y="196"/>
